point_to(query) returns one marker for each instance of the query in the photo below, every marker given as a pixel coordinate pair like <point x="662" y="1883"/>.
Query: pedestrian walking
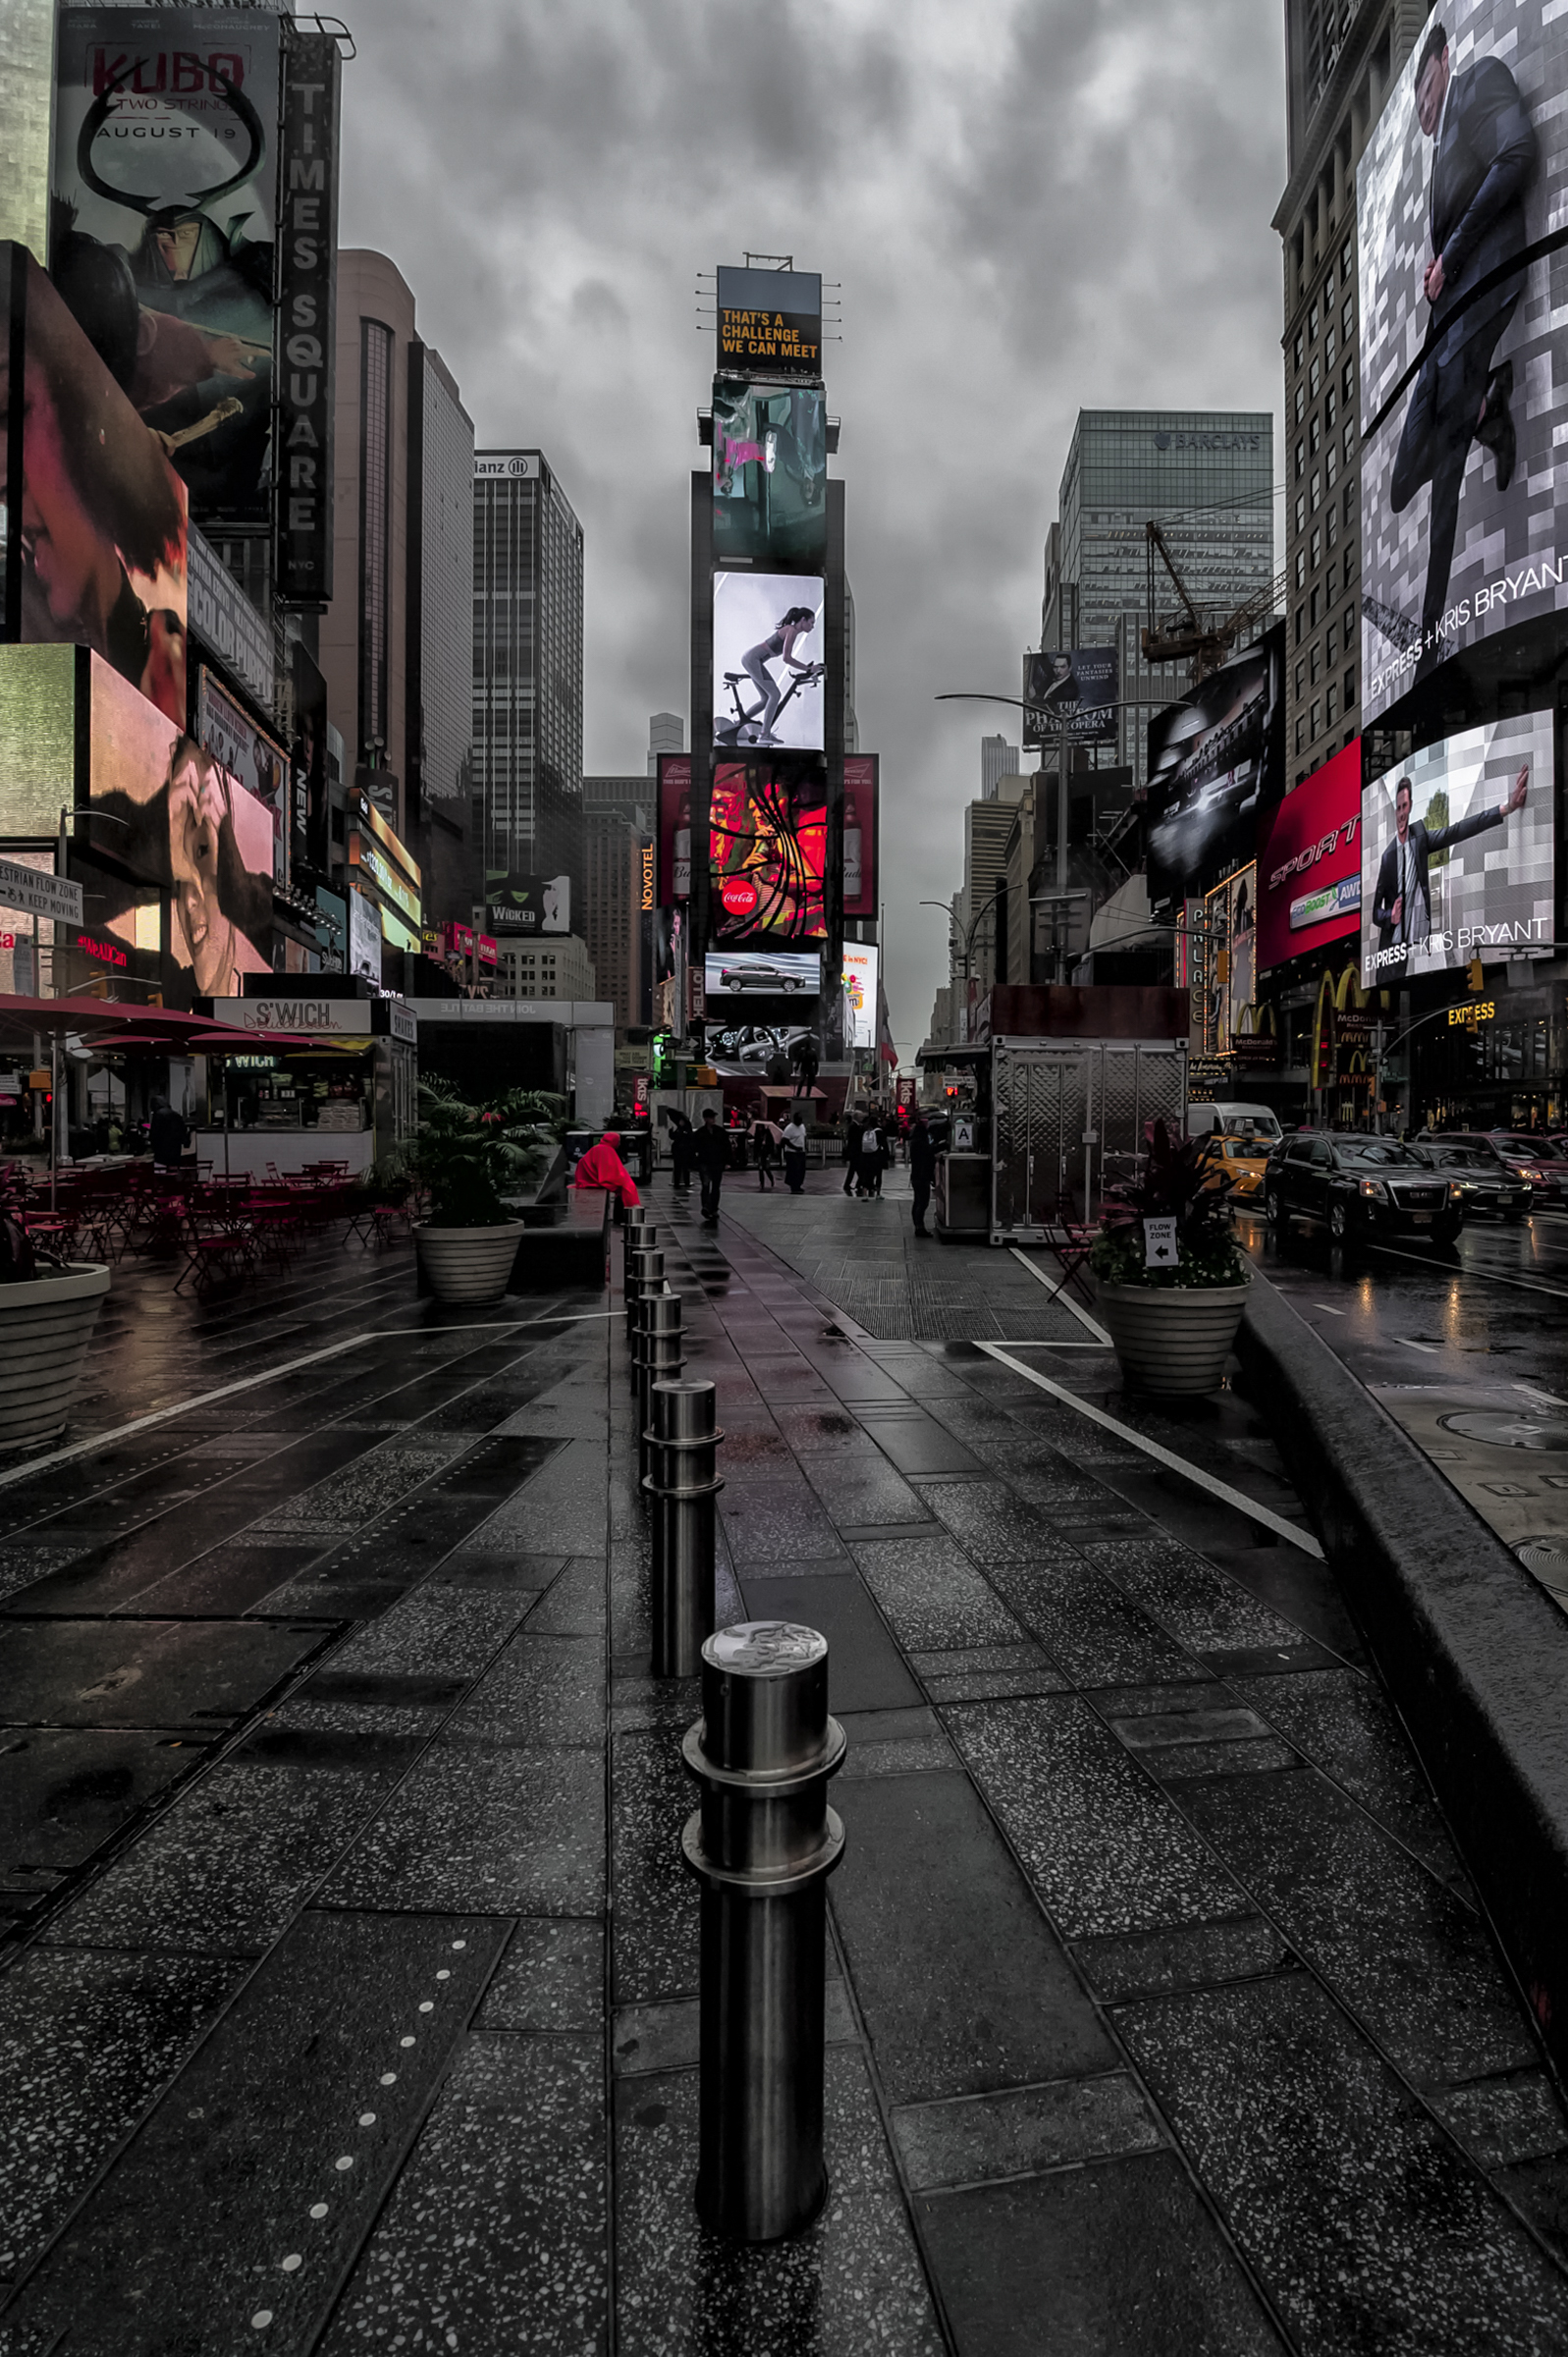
<point x="853" y="1131"/>
<point x="872" y="1158"/>
<point x="766" y="1139"/>
<point x="922" y="1169"/>
<point x="681" y="1145"/>
<point x="795" y="1153"/>
<point x="711" y="1149"/>
<point x="169" y="1136"/>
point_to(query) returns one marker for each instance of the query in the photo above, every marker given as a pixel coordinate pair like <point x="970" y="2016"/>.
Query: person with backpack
<point x="711" y="1150"/>
<point x="871" y="1158"/>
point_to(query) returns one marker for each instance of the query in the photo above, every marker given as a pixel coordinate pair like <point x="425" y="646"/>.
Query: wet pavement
<point x="349" y="1995"/>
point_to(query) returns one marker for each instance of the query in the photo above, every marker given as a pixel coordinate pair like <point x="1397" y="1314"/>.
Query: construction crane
<point x="1190" y="636"/>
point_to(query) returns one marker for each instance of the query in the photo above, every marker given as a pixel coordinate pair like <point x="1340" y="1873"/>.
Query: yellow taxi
<point x="1235" y="1165"/>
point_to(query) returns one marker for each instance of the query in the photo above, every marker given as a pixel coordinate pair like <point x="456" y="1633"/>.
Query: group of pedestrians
<point x="866" y="1156"/>
<point x="868" y="1150"/>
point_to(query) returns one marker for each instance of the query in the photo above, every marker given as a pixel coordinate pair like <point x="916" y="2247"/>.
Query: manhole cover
<point x="1546" y="1558"/>
<point x="1509" y="1428"/>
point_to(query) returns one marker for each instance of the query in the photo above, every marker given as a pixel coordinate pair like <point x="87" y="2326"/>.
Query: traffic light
<point x="1474" y="980"/>
<point x="1324" y="1071"/>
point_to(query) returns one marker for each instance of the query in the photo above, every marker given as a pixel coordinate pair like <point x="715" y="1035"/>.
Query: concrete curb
<point x="1475" y="1656"/>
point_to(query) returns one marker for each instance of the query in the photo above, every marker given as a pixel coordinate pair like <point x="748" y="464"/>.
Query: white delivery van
<point x="1230" y="1119"/>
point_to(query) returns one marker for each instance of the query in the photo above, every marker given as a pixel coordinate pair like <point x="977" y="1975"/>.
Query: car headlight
<point x="1374" y="1188"/>
<point x="1456" y="1191"/>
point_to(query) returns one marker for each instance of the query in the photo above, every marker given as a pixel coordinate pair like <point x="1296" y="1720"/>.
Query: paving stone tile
<point x="917" y="1444"/>
<point x="1172" y="1761"/>
<point x="1195" y="1955"/>
<point x="576" y="1604"/>
<point x="1366" y="2225"/>
<point x="993" y="1524"/>
<point x="1344" y="1721"/>
<point x="64" y="1791"/>
<point x="279" y="2141"/>
<point x="551" y="1978"/>
<point x="1120" y="2255"/>
<point x="375" y="1480"/>
<point x="993" y="1685"/>
<point x="1201" y="1607"/>
<point x="562" y="1509"/>
<point x="960" y="1983"/>
<point x="1105" y="1848"/>
<point x="87" y="2039"/>
<point x="1400" y="1949"/>
<point x="511" y="2162"/>
<point x="149" y="1674"/>
<point x="1022" y="2130"/>
<point x="932" y="1596"/>
<point x="1096" y="1632"/>
<point x="513" y="1831"/>
<point x="654" y="1926"/>
<point x="864" y="1669"/>
<point x="541" y="1691"/>
<point x="765" y="1522"/>
<point x="862" y="1497"/>
<point x="852" y="2282"/>
<point x="229" y="1864"/>
<point x="1518" y="2118"/>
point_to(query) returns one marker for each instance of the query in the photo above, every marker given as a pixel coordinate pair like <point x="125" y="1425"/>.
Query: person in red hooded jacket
<point x="603" y="1168"/>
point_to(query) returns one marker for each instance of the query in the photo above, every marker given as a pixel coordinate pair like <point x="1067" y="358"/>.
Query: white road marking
<point x="290" y="1366"/>
<point x="1486" y="1275"/>
<point x="1165" y="1456"/>
<point x="1064" y="1297"/>
<point x="1329" y="1307"/>
<point x="1411" y="1344"/>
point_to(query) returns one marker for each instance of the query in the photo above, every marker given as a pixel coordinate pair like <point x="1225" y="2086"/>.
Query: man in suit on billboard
<point x="1484" y="157"/>
<point x="1401" y="906"/>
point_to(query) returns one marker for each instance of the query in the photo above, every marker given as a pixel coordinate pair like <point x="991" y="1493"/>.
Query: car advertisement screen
<point x="770" y="475"/>
<point x="166" y="174"/>
<point x="768" y="645"/>
<point x="1069" y="691"/>
<point x="97" y="513"/>
<point x="767" y="832"/>
<point x="1462" y="411"/>
<point x="734" y="974"/>
<point x="1309" y="863"/>
<point x="1457" y="852"/>
<point x="1216" y="763"/>
<point x="186" y="828"/>
<point x="860" y="994"/>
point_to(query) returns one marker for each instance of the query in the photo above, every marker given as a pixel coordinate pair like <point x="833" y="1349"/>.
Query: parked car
<point x="1237" y="1164"/>
<point x="1526" y="1157"/>
<point x="1484" y="1183"/>
<point x="1359" y="1185"/>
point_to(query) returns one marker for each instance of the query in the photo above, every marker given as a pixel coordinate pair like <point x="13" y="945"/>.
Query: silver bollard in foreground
<point x="683" y="1486"/>
<point x="658" y="1353"/>
<point x="645" y="1273"/>
<point x="763" y="1845"/>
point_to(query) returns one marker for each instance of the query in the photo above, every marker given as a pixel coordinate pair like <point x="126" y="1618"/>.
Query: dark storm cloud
<point x="1031" y="207"/>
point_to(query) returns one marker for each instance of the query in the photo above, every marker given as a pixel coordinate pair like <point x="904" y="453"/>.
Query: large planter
<point x="45" y="1327"/>
<point x="469" y="1265"/>
<point x="1173" y="1339"/>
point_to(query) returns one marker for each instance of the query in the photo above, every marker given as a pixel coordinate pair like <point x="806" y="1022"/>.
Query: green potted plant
<point x="48" y="1309"/>
<point x="461" y="1158"/>
<point x="1172" y="1280"/>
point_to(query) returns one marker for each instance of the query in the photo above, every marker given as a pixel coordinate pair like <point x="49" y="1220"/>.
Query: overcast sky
<point x="1033" y="207"/>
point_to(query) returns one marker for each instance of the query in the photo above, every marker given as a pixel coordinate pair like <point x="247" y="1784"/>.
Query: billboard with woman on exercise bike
<point x="767" y="660"/>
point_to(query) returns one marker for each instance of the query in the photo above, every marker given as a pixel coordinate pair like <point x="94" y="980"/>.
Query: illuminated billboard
<point x="770" y="475"/>
<point x="1462" y="414"/>
<point x="1229" y="970"/>
<point x="97" y="515"/>
<point x="250" y="756"/>
<point x="187" y="830"/>
<point x="860" y="994"/>
<point x="37" y="739"/>
<point x="1309" y="863"/>
<point x="731" y="974"/>
<point x="166" y="180"/>
<point x="1069" y="691"/>
<point x="1216" y="764"/>
<point x="768" y="647"/>
<point x="1457" y="852"/>
<point x="767" y="832"/>
<point x="521" y="906"/>
<point x="675" y="828"/>
<point x="770" y="322"/>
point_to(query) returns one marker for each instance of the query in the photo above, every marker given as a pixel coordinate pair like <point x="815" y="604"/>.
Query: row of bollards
<point x="764" y="1840"/>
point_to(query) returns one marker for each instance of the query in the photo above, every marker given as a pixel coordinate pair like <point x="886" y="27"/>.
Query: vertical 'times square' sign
<point x="307" y="226"/>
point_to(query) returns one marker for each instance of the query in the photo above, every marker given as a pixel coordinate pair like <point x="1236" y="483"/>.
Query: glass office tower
<point x="527" y="667"/>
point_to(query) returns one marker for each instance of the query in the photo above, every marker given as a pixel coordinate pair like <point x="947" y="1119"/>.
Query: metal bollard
<point x="633" y="1221"/>
<point x="683" y="1486"/>
<point x="645" y="1273"/>
<point x="658" y="1355"/>
<point x="763" y="1845"/>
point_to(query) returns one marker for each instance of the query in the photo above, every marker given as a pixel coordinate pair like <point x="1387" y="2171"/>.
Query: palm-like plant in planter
<point x="461" y="1158"/>
<point x="1172" y="1320"/>
<point x="48" y="1308"/>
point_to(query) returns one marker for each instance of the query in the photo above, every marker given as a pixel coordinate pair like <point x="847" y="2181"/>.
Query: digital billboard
<point x="1309" y="863"/>
<point x="96" y="515"/>
<point x="767" y="660"/>
<point x="1230" y="967"/>
<point x="522" y="905"/>
<point x="1457" y="852"/>
<point x="1463" y="529"/>
<point x="186" y="829"/>
<point x="1069" y="691"/>
<point x="770" y="475"/>
<point x="365" y="937"/>
<point x="767" y="833"/>
<point x="860" y="994"/>
<point x="770" y="322"/>
<point x="675" y="828"/>
<point x="730" y="974"/>
<point x="37" y="739"/>
<point x="250" y="756"/>
<point x="1216" y="764"/>
<point x="862" y="832"/>
<point x="165" y="183"/>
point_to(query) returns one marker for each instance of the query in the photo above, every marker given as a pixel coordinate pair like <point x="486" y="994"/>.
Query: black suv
<point x="1484" y="1183"/>
<point x="1359" y="1185"/>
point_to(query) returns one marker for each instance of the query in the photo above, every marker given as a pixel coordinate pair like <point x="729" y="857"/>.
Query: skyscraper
<point x="998" y="759"/>
<point x="527" y="667"/>
<point x="440" y="708"/>
<point x="1340" y="58"/>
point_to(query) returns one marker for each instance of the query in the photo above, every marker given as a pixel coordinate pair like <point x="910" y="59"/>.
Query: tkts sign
<point x="307" y="207"/>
